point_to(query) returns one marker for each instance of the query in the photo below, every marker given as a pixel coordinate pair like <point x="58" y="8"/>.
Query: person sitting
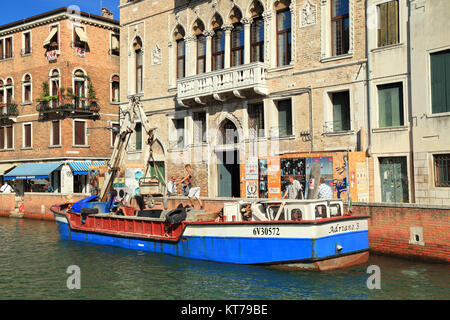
<point x="172" y="186"/>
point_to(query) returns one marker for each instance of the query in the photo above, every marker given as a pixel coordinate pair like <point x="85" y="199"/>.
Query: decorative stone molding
<point x="308" y="15"/>
<point x="156" y="56"/>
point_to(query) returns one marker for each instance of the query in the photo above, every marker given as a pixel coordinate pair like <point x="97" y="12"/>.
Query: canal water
<point x="34" y="262"/>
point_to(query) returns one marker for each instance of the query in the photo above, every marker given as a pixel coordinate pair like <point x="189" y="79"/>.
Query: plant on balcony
<point x="45" y="97"/>
<point x="91" y="92"/>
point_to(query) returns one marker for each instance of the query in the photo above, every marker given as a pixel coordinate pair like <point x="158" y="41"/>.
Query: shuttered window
<point x="440" y="81"/>
<point x="442" y="170"/>
<point x="256" y="119"/>
<point x="388" y="29"/>
<point x="138" y="130"/>
<point x="9" y="137"/>
<point x="80" y="133"/>
<point x="55" y="133"/>
<point x="341" y="111"/>
<point x="27" y="135"/>
<point x="390" y="105"/>
<point x="2" y="138"/>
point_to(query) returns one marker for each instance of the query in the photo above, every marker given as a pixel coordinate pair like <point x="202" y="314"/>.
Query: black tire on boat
<point x="176" y="216"/>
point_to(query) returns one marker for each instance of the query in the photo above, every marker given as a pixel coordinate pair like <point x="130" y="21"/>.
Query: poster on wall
<point x="362" y="182"/>
<point x="315" y="167"/>
<point x="251" y="189"/>
<point x="274" y="178"/>
<point x="132" y="177"/>
<point x="251" y="168"/>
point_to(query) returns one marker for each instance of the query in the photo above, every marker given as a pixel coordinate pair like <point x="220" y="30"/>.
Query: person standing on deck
<point x="194" y="191"/>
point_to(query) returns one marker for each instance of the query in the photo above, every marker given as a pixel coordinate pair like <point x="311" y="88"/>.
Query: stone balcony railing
<point x="236" y="82"/>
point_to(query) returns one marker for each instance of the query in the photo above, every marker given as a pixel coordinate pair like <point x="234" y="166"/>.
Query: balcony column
<point x="208" y="35"/>
<point x="190" y="54"/>
<point x="227" y="28"/>
<point x="247" y="22"/>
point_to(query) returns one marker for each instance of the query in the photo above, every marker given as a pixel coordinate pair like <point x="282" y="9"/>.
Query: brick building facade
<point x="59" y="92"/>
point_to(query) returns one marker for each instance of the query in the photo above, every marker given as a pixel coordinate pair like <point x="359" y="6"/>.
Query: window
<point x="340" y="27"/>
<point x="284" y="117"/>
<point x="284" y="37"/>
<point x="115" y="44"/>
<point x="181" y="58"/>
<point x="80" y="88"/>
<point x="138" y="130"/>
<point x="442" y="170"/>
<point x="55" y="133"/>
<point x="440" y="81"/>
<point x="79" y="133"/>
<point x="179" y="128"/>
<point x="2" y="138"/>
<point x="27" y="135"/>
<point x="218" y="50"/>
<point x="390" y="105"/>
<point x="341" y="111"/>
<point x="8" y="49"/>
<point x="199" y="127"/>
<point x="9" y="88"/>
<point x="388" y="29"/>
<point x="80" y="38"/>
<point x="52" y="40"/>
<point x="320" y="211"/>
<point x="1" y="50"/>
<point x="201" y="54"/>
<point x="237" y="45"/>
<point x="26" y="87"/>
<point x="257" y="40"/>
<point x="139" y="71"/>
<point x="9" y="137"/>
<point x="256" y="119"/>
<point x="54" y="86"/>
<point x="115" y="87"/>
<point x="26" y="48"/>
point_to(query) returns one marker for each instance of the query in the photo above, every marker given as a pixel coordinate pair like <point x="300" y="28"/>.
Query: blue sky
<point x="21" y="9"/>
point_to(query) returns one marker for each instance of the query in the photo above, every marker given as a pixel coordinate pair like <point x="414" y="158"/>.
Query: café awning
<point x="82" y="167"/>
<point x="50" y="36"/>
<point x="30" y="171"/>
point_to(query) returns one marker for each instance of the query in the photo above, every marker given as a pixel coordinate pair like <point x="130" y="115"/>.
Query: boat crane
<point x="147" y="186"/>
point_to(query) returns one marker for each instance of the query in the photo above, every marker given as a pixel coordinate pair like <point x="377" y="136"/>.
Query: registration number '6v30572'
<point x="266" y="231"/>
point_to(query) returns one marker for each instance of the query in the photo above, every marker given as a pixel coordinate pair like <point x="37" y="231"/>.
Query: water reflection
<point x="34" y="262"/>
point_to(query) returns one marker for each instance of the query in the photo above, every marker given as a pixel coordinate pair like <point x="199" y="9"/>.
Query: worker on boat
<point x="194" y="191"/>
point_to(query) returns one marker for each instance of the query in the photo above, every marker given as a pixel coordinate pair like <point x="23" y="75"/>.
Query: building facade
<point x="249" y="91"/>
<point x="59" y="93"/>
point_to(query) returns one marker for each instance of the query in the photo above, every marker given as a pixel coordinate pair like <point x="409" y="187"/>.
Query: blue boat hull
<point x="235" y="249"/>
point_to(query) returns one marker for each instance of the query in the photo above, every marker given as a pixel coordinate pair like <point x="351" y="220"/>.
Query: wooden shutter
<point x="55" y="133"/>
<point x="390" y="105"/>
<point x="27" y="135"/>
<point x="440" y="81"/>
<point x="388" y="30"/>
<point x="9" y="134"/>
<point x="80" y="133"/>
<point x="2" y="137"/>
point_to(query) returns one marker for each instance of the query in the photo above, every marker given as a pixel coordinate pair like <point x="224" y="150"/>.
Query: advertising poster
<point x="251" y="168"/>
<point x="132" y="177"/>
<point x="315" y="167"/>
<point x="251" y="189"/>
<point x="274" y="178"/>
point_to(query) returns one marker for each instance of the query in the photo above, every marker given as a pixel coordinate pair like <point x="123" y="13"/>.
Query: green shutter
<point x="284" y="117"/>
<point x="390" y="105"/>
<point x="440" y="81"/>
<point x="341" y="111"/>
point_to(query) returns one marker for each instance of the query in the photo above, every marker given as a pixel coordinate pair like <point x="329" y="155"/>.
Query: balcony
<point x="8" y="113"/>
<point x="237" y="82"/>
<point x="52" y="107"/>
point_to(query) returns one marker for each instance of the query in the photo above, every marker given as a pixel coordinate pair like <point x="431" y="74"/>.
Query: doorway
<point x="228" y="171"/>
<point x="394" y="179"/>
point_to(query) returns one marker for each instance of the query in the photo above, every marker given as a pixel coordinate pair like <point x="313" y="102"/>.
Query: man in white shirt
<point x="6" y="188"/>
<point x="294" y="189"/>
<point x="172" y="186"/>
<point x="325" y="191"/>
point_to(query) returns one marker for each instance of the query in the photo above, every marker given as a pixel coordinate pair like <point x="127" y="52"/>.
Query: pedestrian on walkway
<point x="194" y="191"/>
<point x="6" y="188"/>
<point x="294" y="190"/>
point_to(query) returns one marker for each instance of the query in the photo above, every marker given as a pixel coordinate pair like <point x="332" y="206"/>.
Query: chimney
<point x="107" y="14"/>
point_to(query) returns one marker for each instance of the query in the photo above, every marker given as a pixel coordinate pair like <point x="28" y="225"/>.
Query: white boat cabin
<point x="279" y="210"/>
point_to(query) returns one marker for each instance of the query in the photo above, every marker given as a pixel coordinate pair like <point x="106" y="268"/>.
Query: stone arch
<point x="235" y="15"/>
<point x="229" y="118"/>
<point x="255" y="8"/>
<point x="216" y="21"/>
<point x="280" y="4"/>
<point x="179" y="32"/>
<point x="197" y="27"/>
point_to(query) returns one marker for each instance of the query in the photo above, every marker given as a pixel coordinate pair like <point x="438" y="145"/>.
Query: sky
<point x="20" y="9"/>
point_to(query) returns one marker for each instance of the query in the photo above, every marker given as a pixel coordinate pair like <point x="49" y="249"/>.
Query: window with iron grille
<point x="442" y="170"/>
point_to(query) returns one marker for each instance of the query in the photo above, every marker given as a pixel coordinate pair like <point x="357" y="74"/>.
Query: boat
<point x="303" y="234"/>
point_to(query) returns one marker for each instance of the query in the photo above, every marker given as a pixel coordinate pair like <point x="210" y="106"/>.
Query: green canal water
<point x="34" y="263"/>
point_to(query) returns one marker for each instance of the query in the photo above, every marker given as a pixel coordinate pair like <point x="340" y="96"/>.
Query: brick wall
<point x="7" y="203"/>
<point x="37" y="205"/>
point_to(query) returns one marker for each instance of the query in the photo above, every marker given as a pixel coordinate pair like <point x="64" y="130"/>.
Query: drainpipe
<point x="311" y="117"/>
<point x="369" y="118"/>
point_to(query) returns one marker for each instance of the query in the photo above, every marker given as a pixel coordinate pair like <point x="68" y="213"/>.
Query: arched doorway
<point x="228" y="169"/>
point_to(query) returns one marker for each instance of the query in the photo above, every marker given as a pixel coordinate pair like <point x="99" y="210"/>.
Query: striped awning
<point x="82" y="167"/>
<point x="29" y="171"/>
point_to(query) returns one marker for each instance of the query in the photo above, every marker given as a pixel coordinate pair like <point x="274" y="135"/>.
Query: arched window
<point x="139" y="67"/>
<point x="181" y="52"/>
<point x="237" y="38"/>
<point x="9" y="88"/>
<point x="283" y="22"/>
<point x="80" y="87"/>
<point x="26" y="89"/>
<point x="115" y="87"/>
<point x="218" y="44"/>
<point x="228" y="133"/>
<point x="2" y="92"/>
<point x="257" y="32"/>
<point x="199" y="28"/>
